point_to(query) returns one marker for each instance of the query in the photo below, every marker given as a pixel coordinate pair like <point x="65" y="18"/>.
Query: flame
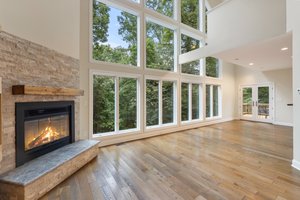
<point x="49" y="134"/>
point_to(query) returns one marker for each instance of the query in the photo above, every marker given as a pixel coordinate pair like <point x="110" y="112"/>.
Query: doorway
<point x="257" y="102"/>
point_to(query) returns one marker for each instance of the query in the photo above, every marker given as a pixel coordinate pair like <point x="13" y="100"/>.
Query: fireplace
<point x="42" y="127"/>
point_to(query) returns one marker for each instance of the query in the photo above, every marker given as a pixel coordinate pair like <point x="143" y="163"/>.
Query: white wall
<point x="282" y="80"/>
<point x="293" y="21"/>
<point x="51" y="23"/>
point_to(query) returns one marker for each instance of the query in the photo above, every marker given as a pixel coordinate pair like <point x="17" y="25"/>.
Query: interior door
<point x="257" y="102"/>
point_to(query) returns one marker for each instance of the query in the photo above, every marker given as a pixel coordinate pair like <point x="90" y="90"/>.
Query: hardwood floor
<point x="233" y="160"/>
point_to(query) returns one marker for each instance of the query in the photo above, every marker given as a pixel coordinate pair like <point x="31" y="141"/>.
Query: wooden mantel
<point x="40" y="90"/>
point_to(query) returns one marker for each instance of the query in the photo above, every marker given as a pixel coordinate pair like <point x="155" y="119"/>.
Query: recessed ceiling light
<point x="251" y="64"/>
<point x="284" y="48"/>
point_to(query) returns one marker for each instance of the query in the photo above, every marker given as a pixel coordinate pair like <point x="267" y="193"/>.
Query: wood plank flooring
<point x="233" y="160"/>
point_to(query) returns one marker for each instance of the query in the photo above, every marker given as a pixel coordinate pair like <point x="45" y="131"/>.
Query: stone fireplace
<point x="25" y="63"/>
<point x="42" y="127"/>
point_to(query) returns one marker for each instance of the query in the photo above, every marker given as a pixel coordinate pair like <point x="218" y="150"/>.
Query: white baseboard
<point x="296" y="164"/>
<point x="283" y="124"/>
<point x="105" y="141"/>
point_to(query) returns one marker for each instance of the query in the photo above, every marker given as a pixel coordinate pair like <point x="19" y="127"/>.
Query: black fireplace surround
<point x="37" y="114"/>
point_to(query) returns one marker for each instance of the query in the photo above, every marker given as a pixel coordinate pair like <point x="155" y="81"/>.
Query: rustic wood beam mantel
<point x="40" y="90"/>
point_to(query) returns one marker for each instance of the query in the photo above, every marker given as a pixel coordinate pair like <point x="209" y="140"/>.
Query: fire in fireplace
<point x="42" y="127"/>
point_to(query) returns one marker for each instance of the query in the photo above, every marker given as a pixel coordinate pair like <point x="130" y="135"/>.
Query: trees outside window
<point x="212" y="101"/>
<point x="212" y="67"/>
<point x="190" y="101"/>
<point x="115" y="37"/>
<point x="115" y="103"/>
<point x="164" y="7"/>
<point x="159" y="47"/>
<point x="160" y="102"/>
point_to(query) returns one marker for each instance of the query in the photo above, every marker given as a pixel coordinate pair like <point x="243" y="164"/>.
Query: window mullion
<point x="117" y="97"/>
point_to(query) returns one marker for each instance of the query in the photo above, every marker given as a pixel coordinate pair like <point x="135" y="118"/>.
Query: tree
<point x="100" y="22"/>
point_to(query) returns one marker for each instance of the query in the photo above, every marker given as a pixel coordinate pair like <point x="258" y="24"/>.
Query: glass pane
<point x="114" y="35"/>
<point x="184" y="102"/>
<point x="167" y="102"/>
<point x="190" y="13"/>
<point x="247" y="102"/>
<point x="212" y="67"/>
<point x="104" y="104"/>
<point x="42" y="131"/>
<point x="195" y="101"/>
<point x="191" y="67"/>
<point x="152" y="102"/>
<point x="164" y="7"/>
<point x="188" y="43"/>
<point x="127" y="103"/>
<point x="208" y="97"/>
<point x="215" y="100"/>
<point x="160" y="47"/>
<point x="263" y="103"/>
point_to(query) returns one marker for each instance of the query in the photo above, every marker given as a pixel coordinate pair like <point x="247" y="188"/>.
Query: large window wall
<point x="136" y="83"/>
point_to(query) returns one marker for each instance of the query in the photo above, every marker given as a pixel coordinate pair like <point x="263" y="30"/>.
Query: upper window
<point x="164" y="7"/>
<point x="193" y="67"/>
<point x="190" y="13"/>
<point x="188" y="43"/>
<point x="159" y="47"/>
<point x="114" y="35"/>
<point x="212" y="67"/>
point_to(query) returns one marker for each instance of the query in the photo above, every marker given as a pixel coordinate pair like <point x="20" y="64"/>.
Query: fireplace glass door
<point x="42" y="131"/>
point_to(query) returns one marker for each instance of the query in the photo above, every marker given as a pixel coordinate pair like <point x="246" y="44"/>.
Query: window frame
<point x="190" y="102"/>
<point x="211" y="117"/>
<point x="116" y="77"/>
<point x="160" y="112"/>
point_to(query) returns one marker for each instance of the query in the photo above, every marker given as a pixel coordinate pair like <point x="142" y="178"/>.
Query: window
<point x="188" y="43"/>
<point x="212" y="101"/>
<point x="115" y="104"/>
<point x="194" y="67"/>
<point x="190" y="13"/>
<point x="160" y="102"/>
<point x="159" y="47"/>
<point x="114" y="35"/>
<point x="212" y="67"/>
<point x="164" y="7"/>
<point x="190" y="101"/>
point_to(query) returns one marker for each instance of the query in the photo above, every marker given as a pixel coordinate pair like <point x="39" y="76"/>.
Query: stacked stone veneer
<point x="25" y="63"/>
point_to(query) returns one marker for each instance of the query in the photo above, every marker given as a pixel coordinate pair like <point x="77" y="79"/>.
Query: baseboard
<point x="106" y="141"/>
<point x="296" y="164"/>
<point x="283" y="124"/>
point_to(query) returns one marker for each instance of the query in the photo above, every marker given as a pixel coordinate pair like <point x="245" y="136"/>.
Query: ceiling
<point x="210" y="4"/>
<point x="264" y="56"/>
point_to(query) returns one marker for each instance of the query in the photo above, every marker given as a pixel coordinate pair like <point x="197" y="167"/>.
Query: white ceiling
<point x="265" y="56"/>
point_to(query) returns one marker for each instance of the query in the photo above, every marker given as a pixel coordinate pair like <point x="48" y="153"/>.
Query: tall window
<point x="212" y="101"/>
<point x="190" y="101"/>
<point x="114" y="35"/>
<point x="115" y="103"/>
<point x="133" y="39"/>
<point x="160" y="102"/>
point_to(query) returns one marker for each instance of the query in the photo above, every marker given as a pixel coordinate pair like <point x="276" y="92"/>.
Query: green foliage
<point x="190" y="13"/>
<point x="152" y="102"/>
<point x="212" y="67"/>
<point x="164" y="7"/>
<point x="100" y="22"/>
<point x="168" y="102"/>
<point x="127" y="103"/>
<point x="184" y="101"/>
<point x="104" y="104"/>
<point x="195" y="101"/>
